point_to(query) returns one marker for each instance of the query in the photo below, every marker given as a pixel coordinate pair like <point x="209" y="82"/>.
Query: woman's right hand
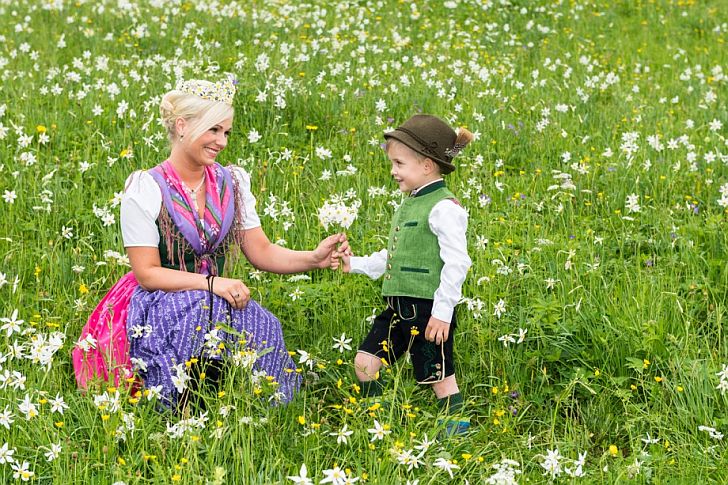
<point x="234" y="291"/>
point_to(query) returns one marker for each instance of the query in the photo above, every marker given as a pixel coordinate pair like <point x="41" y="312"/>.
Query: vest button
<point x="388" y="276"/>
<point x="396" y="228"/>
<point x="395" y="238"/>
<point x="390" y="256"/>
<point x="389" y="266"/>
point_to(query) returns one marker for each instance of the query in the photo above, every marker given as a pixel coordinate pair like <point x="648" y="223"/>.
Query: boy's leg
<point x="382" y="342"/>
<point x="367" y="367"/>
<point x="434" y="365"/>
<point x="448" y="394"/>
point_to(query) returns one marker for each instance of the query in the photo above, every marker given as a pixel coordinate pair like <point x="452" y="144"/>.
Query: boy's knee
<point x="366" y="364"/>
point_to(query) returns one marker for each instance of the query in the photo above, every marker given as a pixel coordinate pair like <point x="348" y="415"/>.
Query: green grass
<point x="626" y="343"/>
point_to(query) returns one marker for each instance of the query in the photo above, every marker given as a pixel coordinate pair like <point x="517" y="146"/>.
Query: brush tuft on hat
<point x="464" y="137"/>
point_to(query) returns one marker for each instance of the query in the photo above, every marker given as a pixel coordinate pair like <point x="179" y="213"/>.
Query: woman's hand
<point x="322" y="255"/>
<point x="234" y="291"/>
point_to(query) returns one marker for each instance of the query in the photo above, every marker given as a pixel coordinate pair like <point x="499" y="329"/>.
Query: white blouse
<point x="142" y="202"/>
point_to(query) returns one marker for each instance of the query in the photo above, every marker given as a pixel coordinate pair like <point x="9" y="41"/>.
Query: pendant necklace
<point x="193" y="193"/>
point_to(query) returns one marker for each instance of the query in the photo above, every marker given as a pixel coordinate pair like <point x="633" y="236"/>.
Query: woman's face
<point x="205" y="148"/>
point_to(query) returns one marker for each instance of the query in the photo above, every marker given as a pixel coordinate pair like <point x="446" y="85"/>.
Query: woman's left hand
<point x="326" y="248"/>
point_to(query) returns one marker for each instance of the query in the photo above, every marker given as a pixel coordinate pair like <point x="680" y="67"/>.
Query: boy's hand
<point x="437" y="331"/>
<point x="343" y="255"/>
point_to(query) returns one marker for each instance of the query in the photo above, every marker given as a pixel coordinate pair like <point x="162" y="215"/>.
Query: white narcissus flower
<point x="335" y="476"/>
<point x="12" y="324"/>
<point x="446" y="465"/>
<point x="342" y="343"/>
<point x="53" y="452"/>
<point x="254" y="136"/>
<point x="379" y="431"/>
<point x="22" y="471"/>
<point x="342" y="436"/>
<point x="302" y="476"/>
<point x="6" y="454"/>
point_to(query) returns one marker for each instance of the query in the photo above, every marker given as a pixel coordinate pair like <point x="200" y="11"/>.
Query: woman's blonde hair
<point x="200" y="114"/>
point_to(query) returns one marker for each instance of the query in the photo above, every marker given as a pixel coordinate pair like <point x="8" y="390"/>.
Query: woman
<point x="180" y="221"/>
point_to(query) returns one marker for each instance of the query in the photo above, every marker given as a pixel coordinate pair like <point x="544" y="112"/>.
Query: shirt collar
<point x="428" y="187"/>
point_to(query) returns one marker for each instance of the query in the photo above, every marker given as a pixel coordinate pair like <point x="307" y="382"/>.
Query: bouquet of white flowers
<point x="336" y="212"/>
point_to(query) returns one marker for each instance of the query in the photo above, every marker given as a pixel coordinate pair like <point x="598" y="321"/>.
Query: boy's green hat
<point x="429" y="136"/>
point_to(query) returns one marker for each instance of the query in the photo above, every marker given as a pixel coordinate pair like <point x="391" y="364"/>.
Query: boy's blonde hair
<point x="201" y="114"/>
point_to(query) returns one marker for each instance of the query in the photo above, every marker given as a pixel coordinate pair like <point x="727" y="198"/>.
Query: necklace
<point x="194" y="191"/>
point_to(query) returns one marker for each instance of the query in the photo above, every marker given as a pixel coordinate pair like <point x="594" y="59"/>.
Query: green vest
<point x="170" y="257"/>
<point x="176" y="253"/>
<point x="413" y="253"/>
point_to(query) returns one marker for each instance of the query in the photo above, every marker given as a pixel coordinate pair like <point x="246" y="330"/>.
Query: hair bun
<point x="166" y="107"/>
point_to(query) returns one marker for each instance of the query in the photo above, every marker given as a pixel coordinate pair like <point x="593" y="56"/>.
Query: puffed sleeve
<point x="140" y="208"/>
<point x="246" y="199"/>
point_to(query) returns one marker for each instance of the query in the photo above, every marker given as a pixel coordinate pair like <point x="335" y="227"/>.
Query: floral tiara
<point x="222" y="91"/>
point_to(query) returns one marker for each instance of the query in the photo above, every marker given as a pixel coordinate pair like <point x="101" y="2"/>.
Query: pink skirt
<point x="103" y="349"/>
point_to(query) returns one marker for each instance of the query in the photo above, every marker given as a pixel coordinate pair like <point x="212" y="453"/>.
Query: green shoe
<point x="455" y="427"/>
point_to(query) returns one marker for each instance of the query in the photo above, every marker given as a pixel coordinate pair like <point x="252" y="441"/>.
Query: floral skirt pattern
<point x="167" y="329"/>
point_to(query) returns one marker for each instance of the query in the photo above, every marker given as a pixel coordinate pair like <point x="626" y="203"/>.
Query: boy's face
<point x="407" y="170"/>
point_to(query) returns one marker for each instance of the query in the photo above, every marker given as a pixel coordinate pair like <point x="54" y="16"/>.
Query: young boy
<point x="424" y="265"/>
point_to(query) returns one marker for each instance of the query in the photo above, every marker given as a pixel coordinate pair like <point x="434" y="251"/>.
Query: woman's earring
<point x="181" y="136"/>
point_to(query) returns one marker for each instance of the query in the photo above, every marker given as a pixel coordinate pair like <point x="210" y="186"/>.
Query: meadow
<point x="590" y="344"/>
